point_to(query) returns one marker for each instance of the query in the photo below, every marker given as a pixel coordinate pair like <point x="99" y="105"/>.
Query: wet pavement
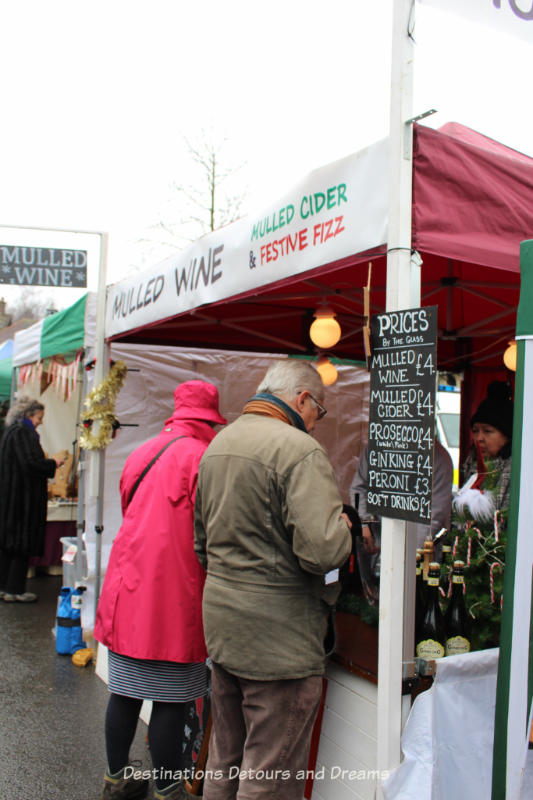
<point x="51" y="712"/>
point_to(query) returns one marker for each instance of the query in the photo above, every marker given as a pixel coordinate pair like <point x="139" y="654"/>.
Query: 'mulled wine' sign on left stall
<point x="42" y="266"/>
<point x="403" y="372"/>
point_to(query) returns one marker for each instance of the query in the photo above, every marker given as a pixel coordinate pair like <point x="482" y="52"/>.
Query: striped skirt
<point x="162" y="681"/>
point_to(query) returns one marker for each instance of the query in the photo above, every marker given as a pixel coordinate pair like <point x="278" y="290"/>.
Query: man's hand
<point x="345" y="517"/>
<point x="368" y="540"/>
<point x="59" y="462"/>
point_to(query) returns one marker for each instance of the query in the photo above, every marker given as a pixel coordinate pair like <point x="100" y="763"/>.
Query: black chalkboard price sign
<point x="403" y="372"/>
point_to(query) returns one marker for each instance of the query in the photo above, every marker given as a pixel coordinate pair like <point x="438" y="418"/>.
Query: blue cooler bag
<point x="68" y="630"/>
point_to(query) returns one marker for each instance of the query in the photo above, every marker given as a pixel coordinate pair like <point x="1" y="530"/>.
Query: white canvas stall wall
<point x="146" y="400"/>
<point x="59" y="428"/>
<point x="346" y="761"/>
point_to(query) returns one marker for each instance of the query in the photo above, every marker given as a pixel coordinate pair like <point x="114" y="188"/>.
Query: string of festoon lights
<point x="325" y="332"/>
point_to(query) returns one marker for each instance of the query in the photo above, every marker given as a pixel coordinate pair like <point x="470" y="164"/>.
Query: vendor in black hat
<point x="492" y="430"/>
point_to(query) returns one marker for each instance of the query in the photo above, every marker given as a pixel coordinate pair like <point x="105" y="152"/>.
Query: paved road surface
<point x="51" y="712"/>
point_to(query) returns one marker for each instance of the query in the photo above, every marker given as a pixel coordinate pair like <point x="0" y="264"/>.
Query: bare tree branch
<point x="206" y="203"/>
<point x="31" y="304"/>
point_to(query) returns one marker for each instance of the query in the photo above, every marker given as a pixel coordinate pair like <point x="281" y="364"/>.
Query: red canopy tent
<point x="472" y="206"/>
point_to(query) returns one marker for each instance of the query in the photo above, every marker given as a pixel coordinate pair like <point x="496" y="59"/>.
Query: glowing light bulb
<point x="325" y="331"/>
<point x="327" y="371"/>
<point x="509" y="357"/>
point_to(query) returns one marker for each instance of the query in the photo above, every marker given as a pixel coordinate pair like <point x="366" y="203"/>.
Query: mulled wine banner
<point x="514" y="17"/>
<point x="514" y="696"/>
<point x="403" y="366"/>
<point x="43" y="266"/>
<point x="335" y="212"/>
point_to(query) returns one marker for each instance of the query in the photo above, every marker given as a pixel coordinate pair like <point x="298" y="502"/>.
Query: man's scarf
<point x="268" y="405"/>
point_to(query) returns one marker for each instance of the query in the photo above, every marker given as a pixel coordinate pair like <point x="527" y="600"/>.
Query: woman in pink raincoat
<point x="150" y="610"/>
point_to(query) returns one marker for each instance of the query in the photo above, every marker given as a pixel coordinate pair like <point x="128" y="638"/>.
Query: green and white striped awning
<point x="6" y="368"/>
<point x="59" y="334"/>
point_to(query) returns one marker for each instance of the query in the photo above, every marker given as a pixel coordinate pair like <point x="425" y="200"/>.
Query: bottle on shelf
<point x="456" y="620"/>
<point x="431" y="636"/>
<point x="427" y="557"/>
<point x="420" y="602"/>
<point x="446" y="545"/>
<point x="442" y="551"/>
<point x="443" y="544"/>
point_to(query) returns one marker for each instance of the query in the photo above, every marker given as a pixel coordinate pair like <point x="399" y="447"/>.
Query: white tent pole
<point x="97" y="457"/>
<point x="403" y="291"/>
<point x="81" y="515"/>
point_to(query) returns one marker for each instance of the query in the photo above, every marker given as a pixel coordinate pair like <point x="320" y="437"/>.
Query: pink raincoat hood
<point x="197" y="400"/>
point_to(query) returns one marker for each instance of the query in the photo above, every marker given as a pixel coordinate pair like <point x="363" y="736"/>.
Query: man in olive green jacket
<point x="269" y="528"/>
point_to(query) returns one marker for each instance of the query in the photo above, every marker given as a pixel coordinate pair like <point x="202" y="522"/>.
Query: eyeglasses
<point x="321" y="410"/>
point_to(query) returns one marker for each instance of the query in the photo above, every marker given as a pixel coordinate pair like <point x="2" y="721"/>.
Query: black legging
<point x="13" y="571"/>
<point x="165" y="734"/>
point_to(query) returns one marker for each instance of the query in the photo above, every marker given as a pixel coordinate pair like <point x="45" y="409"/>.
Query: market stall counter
<point x="61" y="520"/>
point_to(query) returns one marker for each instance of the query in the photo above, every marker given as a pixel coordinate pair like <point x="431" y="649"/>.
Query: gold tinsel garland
<point x="100" y="405"/>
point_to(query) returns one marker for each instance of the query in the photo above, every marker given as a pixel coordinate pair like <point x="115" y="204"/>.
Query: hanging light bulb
<point x="327" y="371"/>
<point x="509" y="357"/>
<point x="325" y="331"/>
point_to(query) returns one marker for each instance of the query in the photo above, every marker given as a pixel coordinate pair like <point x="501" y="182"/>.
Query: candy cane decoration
<point x="492" y="567"/>
<point x="455" y="543"/>
<point x="479" y="534"/>
<point x="496" y="526"/>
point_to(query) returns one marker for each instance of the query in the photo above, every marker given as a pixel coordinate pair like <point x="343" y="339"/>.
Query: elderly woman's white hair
<point x="289" y="377"/>
<point x="23" y="407"/>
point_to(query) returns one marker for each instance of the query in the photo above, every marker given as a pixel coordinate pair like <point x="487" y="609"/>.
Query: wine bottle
<point x="446" y="559"/>
<point x="427" y="556"/>
<point x="431" y="636"/>
<point x="447" y="548"/>
<point x="420" y="602"/>
<point x="456" y="619"/>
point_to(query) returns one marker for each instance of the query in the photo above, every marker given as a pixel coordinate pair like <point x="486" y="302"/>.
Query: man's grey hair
<point x="23" y="407"/>
<point x="289" y="377"/>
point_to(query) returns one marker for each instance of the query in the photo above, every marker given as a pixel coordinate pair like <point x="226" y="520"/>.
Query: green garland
<point x="481" y="543"/>
<point x="356" y="604"/>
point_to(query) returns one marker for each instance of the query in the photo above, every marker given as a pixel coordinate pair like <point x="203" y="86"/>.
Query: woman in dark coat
<point x="24" y="471"/>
